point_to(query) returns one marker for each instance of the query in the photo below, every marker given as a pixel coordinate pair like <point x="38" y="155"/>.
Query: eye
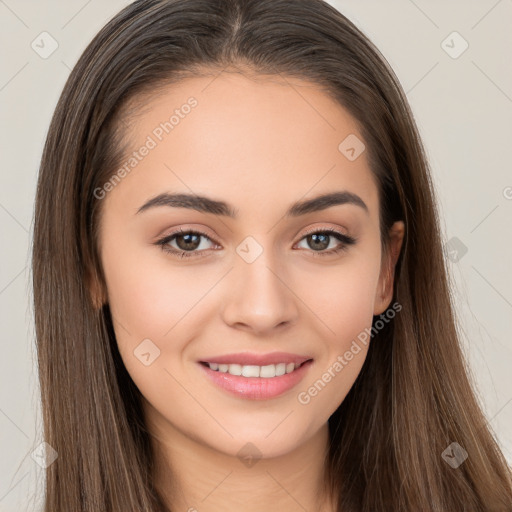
<point x="321" y="239"/>
<point x="189" y="241"/>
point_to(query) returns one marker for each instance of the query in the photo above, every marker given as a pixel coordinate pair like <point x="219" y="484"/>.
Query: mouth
<point x="256" y="376"/>
<point x="266" y="372"/>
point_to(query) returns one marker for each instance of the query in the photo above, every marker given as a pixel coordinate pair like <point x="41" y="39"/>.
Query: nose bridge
<point x="260" y="299"/>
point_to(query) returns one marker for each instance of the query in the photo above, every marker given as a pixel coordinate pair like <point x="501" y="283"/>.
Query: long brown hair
<point x="412" y="398"/>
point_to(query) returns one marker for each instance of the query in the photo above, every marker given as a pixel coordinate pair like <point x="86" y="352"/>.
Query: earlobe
<point x="384" y="292"/>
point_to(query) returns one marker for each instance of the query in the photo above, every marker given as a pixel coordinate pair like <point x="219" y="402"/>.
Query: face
<point x="227" y="313"/>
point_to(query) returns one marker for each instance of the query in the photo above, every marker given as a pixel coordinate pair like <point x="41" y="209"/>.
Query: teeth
<point x="234" y="369"/>
<point x="280" y="369"/>
<point x="268" y="371"/>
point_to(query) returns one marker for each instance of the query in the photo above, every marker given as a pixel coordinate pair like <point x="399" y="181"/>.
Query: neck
<point x="206" y="480"/>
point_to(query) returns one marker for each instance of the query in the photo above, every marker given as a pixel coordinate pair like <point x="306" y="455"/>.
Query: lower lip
<point x="256" y="388"/>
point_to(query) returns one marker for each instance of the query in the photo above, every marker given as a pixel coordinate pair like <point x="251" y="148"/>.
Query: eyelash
<point x="345" y="240"/>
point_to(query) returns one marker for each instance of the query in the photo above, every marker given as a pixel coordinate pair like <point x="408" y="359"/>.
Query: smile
<point x="256" y="376"/>
<point x="266" y="372"/>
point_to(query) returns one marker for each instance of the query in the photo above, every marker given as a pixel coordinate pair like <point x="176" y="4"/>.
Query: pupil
<point x="188" y="243"/>
<point x="315" y="238"/>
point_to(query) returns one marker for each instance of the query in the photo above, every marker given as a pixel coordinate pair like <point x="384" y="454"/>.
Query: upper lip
<point x="247" y="359"/>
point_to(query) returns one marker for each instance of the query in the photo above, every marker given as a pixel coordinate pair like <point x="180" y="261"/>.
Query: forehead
<point x="247" y="139"/>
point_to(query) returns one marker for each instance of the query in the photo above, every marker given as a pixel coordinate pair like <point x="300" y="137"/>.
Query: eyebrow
<point x="207" y="205"/>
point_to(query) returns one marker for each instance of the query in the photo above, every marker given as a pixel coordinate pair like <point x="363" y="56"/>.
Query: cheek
<point x="149" y="306"/>
<point x="156" y="300"/>
<point x="342" y="301"/>
<point x="341" y="298"/>
<point x="150" y="296"/>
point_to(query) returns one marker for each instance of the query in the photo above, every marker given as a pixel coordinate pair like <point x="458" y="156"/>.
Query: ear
<point x="384" y="291"/>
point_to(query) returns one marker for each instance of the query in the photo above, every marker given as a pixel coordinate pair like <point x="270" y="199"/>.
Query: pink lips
<point x="257" y="388"/>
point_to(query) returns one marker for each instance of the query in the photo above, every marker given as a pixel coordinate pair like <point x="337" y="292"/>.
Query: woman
<point x="241" y="300"/>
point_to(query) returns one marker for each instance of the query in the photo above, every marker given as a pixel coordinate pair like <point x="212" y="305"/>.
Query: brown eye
<point x="318" y="241"/>
<point x="188" y="243"/>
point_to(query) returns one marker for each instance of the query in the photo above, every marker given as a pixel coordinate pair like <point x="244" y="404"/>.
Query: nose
<point x="260" y="300"/>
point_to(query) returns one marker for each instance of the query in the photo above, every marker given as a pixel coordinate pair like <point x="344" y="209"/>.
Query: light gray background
<point x="463" y="107"/>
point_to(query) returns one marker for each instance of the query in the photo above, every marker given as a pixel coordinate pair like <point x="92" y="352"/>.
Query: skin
<point x="259" y="144"/>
